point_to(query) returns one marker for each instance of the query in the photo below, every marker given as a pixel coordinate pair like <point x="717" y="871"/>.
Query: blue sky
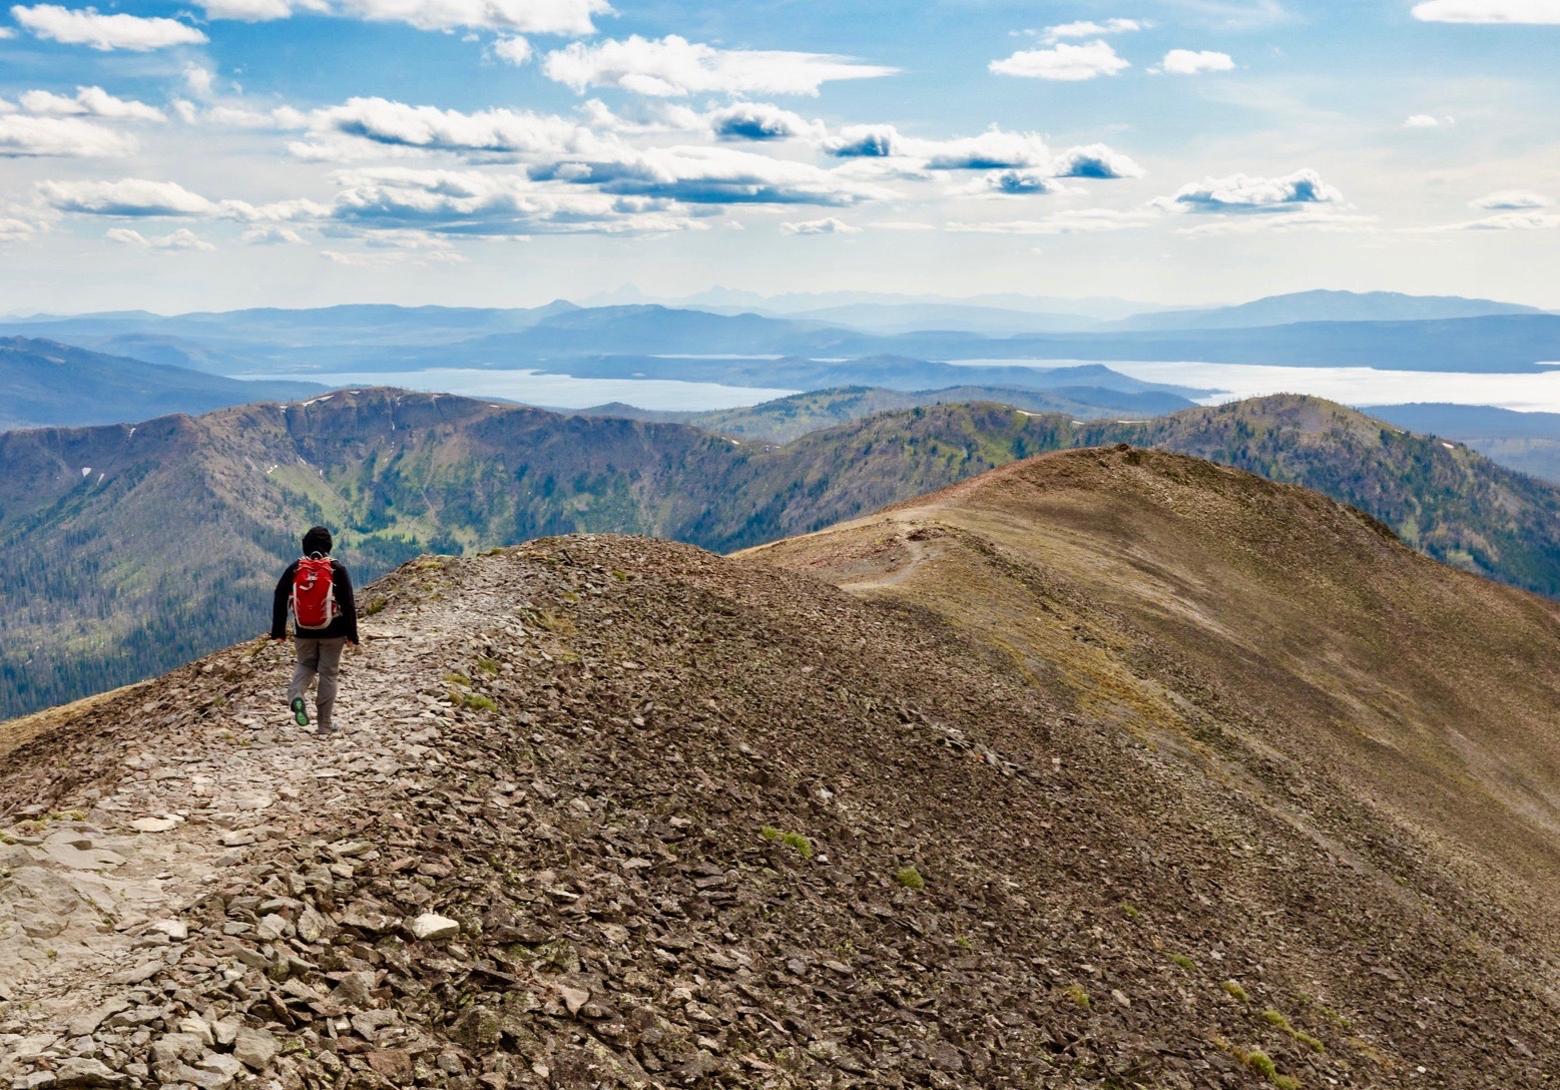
<point x="295" y="152"/>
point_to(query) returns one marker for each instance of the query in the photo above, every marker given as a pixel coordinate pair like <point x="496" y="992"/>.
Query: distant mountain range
<point x="1327" y="329"/>
<point x="1324" y="306"/>
<point x="98" y="526"/>
<point x="44" y="382"/>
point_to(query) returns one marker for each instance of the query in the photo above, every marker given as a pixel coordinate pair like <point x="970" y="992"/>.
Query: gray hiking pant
<point x="322" y="657"/>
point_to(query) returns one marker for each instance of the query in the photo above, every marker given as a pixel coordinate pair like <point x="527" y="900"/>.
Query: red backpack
<point x="313" y="597"/>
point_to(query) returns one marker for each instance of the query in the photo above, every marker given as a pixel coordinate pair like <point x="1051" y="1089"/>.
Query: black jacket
<point x="345" y="623"/>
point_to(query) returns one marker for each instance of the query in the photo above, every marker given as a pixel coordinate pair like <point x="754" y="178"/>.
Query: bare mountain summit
<point x="1111" y="768"/>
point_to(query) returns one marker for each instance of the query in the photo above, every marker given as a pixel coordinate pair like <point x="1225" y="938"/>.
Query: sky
<point x="232" y="153"/>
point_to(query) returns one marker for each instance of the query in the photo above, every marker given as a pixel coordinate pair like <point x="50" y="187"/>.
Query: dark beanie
<point x="317" y="540"/>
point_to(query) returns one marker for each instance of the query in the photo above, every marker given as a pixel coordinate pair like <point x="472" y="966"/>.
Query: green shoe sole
<point x="300" y="711"/>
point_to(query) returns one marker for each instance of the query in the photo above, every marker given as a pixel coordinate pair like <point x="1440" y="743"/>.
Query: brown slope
<point x="1382" y="702"/>
<point x="595" y="823"/>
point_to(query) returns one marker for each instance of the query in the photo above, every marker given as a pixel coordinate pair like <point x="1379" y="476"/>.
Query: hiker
<point x="317" y="591"/>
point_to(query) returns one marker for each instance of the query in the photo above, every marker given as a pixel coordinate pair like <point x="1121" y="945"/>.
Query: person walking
<point x="317" y="591"/>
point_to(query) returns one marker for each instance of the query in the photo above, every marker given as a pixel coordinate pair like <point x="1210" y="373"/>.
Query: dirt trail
<point x="94" y="898"/>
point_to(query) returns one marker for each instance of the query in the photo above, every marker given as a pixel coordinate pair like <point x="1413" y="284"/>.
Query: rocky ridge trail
<point x="609" y="812"/>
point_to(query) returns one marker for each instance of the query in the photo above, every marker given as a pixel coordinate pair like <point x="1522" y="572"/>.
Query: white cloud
<point x="713" y="175"/>
<point x="126" y="197"/>
<point x="827" y="226"/>
<point x="1242" y="193"/>
<point x="6" y="32"/>
<point x="995" y="149"/>
<point x="557" y="149"/>
<point x="247" y="11"/>
<point x="141" y="197"/>
<point x="1528" y="220"/>
<point x="181" y="240"/>
<point x="480" y="204"/>
<point x="14" y="230"/>
<point x="1511" y="200"/>
<point x="1543" y="12"/>
<point x="240" y="116"/>
<point x="515" y="50"/>
<point x="86" y="26"/>
<point x="272" y="236"/>
<point x="1427" y="121"/>
<point x="199" y="80"/>
<point x="63" y="137"/>
<point x="571" y="17"/>
<point x="1063" y="62"/>
<point x="91" y="101"/>
<point x="761" y="121"/>
<point x="1088" y="28"/>
<point x="1188" y="62"/>
<point x="494" y="133"/>
<point x="1095" y="161"/>
<point x="1069" y="222"/>
<point x="673" y="66"/>
<point x="1306" y="218"/>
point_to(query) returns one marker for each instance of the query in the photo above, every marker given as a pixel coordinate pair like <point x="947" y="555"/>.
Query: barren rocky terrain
<point x="613" y="812"/>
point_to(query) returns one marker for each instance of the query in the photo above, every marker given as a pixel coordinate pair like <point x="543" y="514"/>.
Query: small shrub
<point x="481" y="702"/>
<point x="910" y="878"/>
<point x="456" y="679"/>
<point x="1184" y="962"/>
<point x="374" y="606"/>
<point x="488" y="666"/>
<point x="1077" y="994"/>
<point x="801" y="844"/>
<point x="1131" y="911"/>
<point x="1286" y="1082"/>
<point x="1261" y="1063"/>
<point x="1234" y="989"/>
<point x="1315" y="1044"/>
<point x="1276" y="1018"/>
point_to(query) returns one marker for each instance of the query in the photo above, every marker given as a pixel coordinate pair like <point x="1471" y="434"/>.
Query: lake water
<point x="553" y="391"/>
<point x="1349" y="385"/>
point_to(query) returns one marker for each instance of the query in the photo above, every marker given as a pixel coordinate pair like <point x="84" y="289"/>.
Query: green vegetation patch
<point x="796" y="841"/>
<point x="910" y="878"/>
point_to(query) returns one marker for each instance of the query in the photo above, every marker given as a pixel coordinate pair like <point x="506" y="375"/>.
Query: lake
<point x="1349" y="385"/>
<point x="551" y="391"/>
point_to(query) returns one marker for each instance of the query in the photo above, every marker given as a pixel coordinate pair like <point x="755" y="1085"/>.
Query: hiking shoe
<point x="300" y="711"/>
<point x="325" y="728"/>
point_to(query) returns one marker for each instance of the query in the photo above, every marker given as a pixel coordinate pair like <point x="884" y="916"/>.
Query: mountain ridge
<point x="615" y="812"/>
<point x="47" y="383"/>
<point x="396" y="474"/>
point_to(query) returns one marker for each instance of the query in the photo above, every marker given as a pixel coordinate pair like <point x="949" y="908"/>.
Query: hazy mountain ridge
<point x="1325" y="306"/>
<point x="1384" y="330"/>
<point x="46" y="383"/>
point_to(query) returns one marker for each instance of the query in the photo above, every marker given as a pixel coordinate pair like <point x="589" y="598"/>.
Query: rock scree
<point x="612" y="812"/>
